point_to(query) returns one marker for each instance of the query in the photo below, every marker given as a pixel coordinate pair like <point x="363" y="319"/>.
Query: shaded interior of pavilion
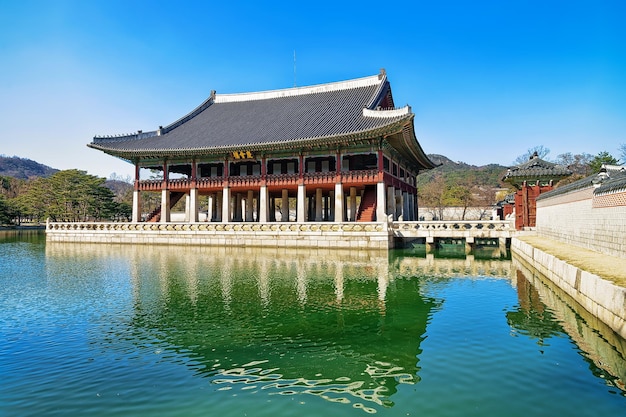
<point x="369" y="186"/>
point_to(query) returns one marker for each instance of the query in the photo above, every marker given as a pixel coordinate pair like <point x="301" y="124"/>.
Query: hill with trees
<point x="460" y="185"/>
<point x="22" y="168"/>
<point x="460" y="172"/>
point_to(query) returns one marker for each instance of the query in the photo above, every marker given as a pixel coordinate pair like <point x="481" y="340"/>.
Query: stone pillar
<point x="469" y="244"/>
<point x="301" y="206"/>
<point x="272" y="213"/>
<point x="398" y="201"/>
<point x="391" y="202"/>
<point x="405" y="206"/>
<point x="217" y="209"/>
<point x="413" y="207"/>
<point x="263" y="205"/>
<point x="318" y="204"/>
<point x="430" y="244"/>
<point x="502" y="246"/>
<point x="211" y="209"/>
<point x="225" y="204"/>
<point x="193" y="205"/>
<point x="338" y="203"/>
<point x="237" y="215"/>
<point x="187" y="203"/>
<point x="136" y="206"/>
<point x="380" y="202"/>
<point x="250" y="206"/>
<point x="352" y="206"/>
<point x="284" y="206"/>
<point x="165" y="206"/>
<point x="136" y="216"/>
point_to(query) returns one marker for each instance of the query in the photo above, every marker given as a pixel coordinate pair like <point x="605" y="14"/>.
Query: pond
<point x="124" y="330"/>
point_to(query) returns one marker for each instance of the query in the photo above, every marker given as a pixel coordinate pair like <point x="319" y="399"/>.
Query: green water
<point x="113" y="330"/>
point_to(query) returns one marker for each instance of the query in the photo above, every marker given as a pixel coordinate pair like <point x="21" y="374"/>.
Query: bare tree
<point x="541" y="151"/>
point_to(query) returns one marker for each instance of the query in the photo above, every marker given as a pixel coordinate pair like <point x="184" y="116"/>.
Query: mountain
<point x="121" y="189"/>
<point x="459" y="172"/>
<point x="22" y="168"/>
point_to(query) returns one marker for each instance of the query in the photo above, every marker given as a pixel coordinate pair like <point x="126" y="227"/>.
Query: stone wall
<point x="604" y="299"/>
<point x="277" y="235"/>
<point x="596" y="222"/>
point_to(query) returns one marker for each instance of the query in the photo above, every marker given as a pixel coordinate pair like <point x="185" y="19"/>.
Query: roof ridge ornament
<point x="298" y="91"/>
<point x="378" y="112"/>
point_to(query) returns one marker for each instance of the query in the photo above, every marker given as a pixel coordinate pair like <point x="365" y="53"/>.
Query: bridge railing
<point x="454" y="228"/>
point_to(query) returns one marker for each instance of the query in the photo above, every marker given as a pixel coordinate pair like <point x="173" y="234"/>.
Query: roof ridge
<point x="299" y="91"/>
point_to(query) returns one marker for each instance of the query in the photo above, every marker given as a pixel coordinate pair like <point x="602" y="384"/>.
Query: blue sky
<point x="487" y="80"/>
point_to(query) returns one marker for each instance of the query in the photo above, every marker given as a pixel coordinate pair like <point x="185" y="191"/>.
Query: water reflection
<point x="545" y="311"/>
<point x="278" y="321"/>
<point x="344" y="326"/>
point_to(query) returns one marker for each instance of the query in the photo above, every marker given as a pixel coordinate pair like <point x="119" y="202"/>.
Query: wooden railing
<point x="370" y="176"/>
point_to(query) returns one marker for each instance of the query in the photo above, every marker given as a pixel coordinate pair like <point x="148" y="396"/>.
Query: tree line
<point x="479" y="189"/>
<point x="69" y="195"/>
<point x="74" y="195"/>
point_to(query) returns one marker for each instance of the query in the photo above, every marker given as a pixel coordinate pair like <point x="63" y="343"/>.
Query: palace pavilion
<point x="337" y="152"/>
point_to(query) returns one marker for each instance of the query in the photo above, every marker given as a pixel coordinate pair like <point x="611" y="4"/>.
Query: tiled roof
<point x="615" y="180"/>
<point x="536" y="168"/>
<point x="273" y="118"/>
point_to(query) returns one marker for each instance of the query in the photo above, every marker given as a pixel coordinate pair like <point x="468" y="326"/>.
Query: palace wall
<point x="585" y="219"/>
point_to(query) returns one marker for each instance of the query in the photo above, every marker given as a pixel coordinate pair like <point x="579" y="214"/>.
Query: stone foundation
<point x="270" y="235"/>
<point x="602" y="298"/>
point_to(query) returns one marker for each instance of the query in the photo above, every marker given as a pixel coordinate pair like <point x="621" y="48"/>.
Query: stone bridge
<point x="471" y="232"/>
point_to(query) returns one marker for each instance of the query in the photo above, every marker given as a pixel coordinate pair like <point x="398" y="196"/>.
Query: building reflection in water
<point x="546" y="311"/>
<point x="343" y="325"/>
<point x="283" y="321"/>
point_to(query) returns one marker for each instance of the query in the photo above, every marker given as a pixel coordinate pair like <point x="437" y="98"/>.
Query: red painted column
<point x="381" y="166"/>
<point x="165" y="176"/>
<point x="137" y="176"/>
<point x="194" y="173"/>
<point x="338" y="167"/>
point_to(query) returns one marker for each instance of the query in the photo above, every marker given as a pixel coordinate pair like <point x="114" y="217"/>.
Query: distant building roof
<point x="536" y="169"/>
<point x="610" y="178"/>
<point x="295" y="117"/>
